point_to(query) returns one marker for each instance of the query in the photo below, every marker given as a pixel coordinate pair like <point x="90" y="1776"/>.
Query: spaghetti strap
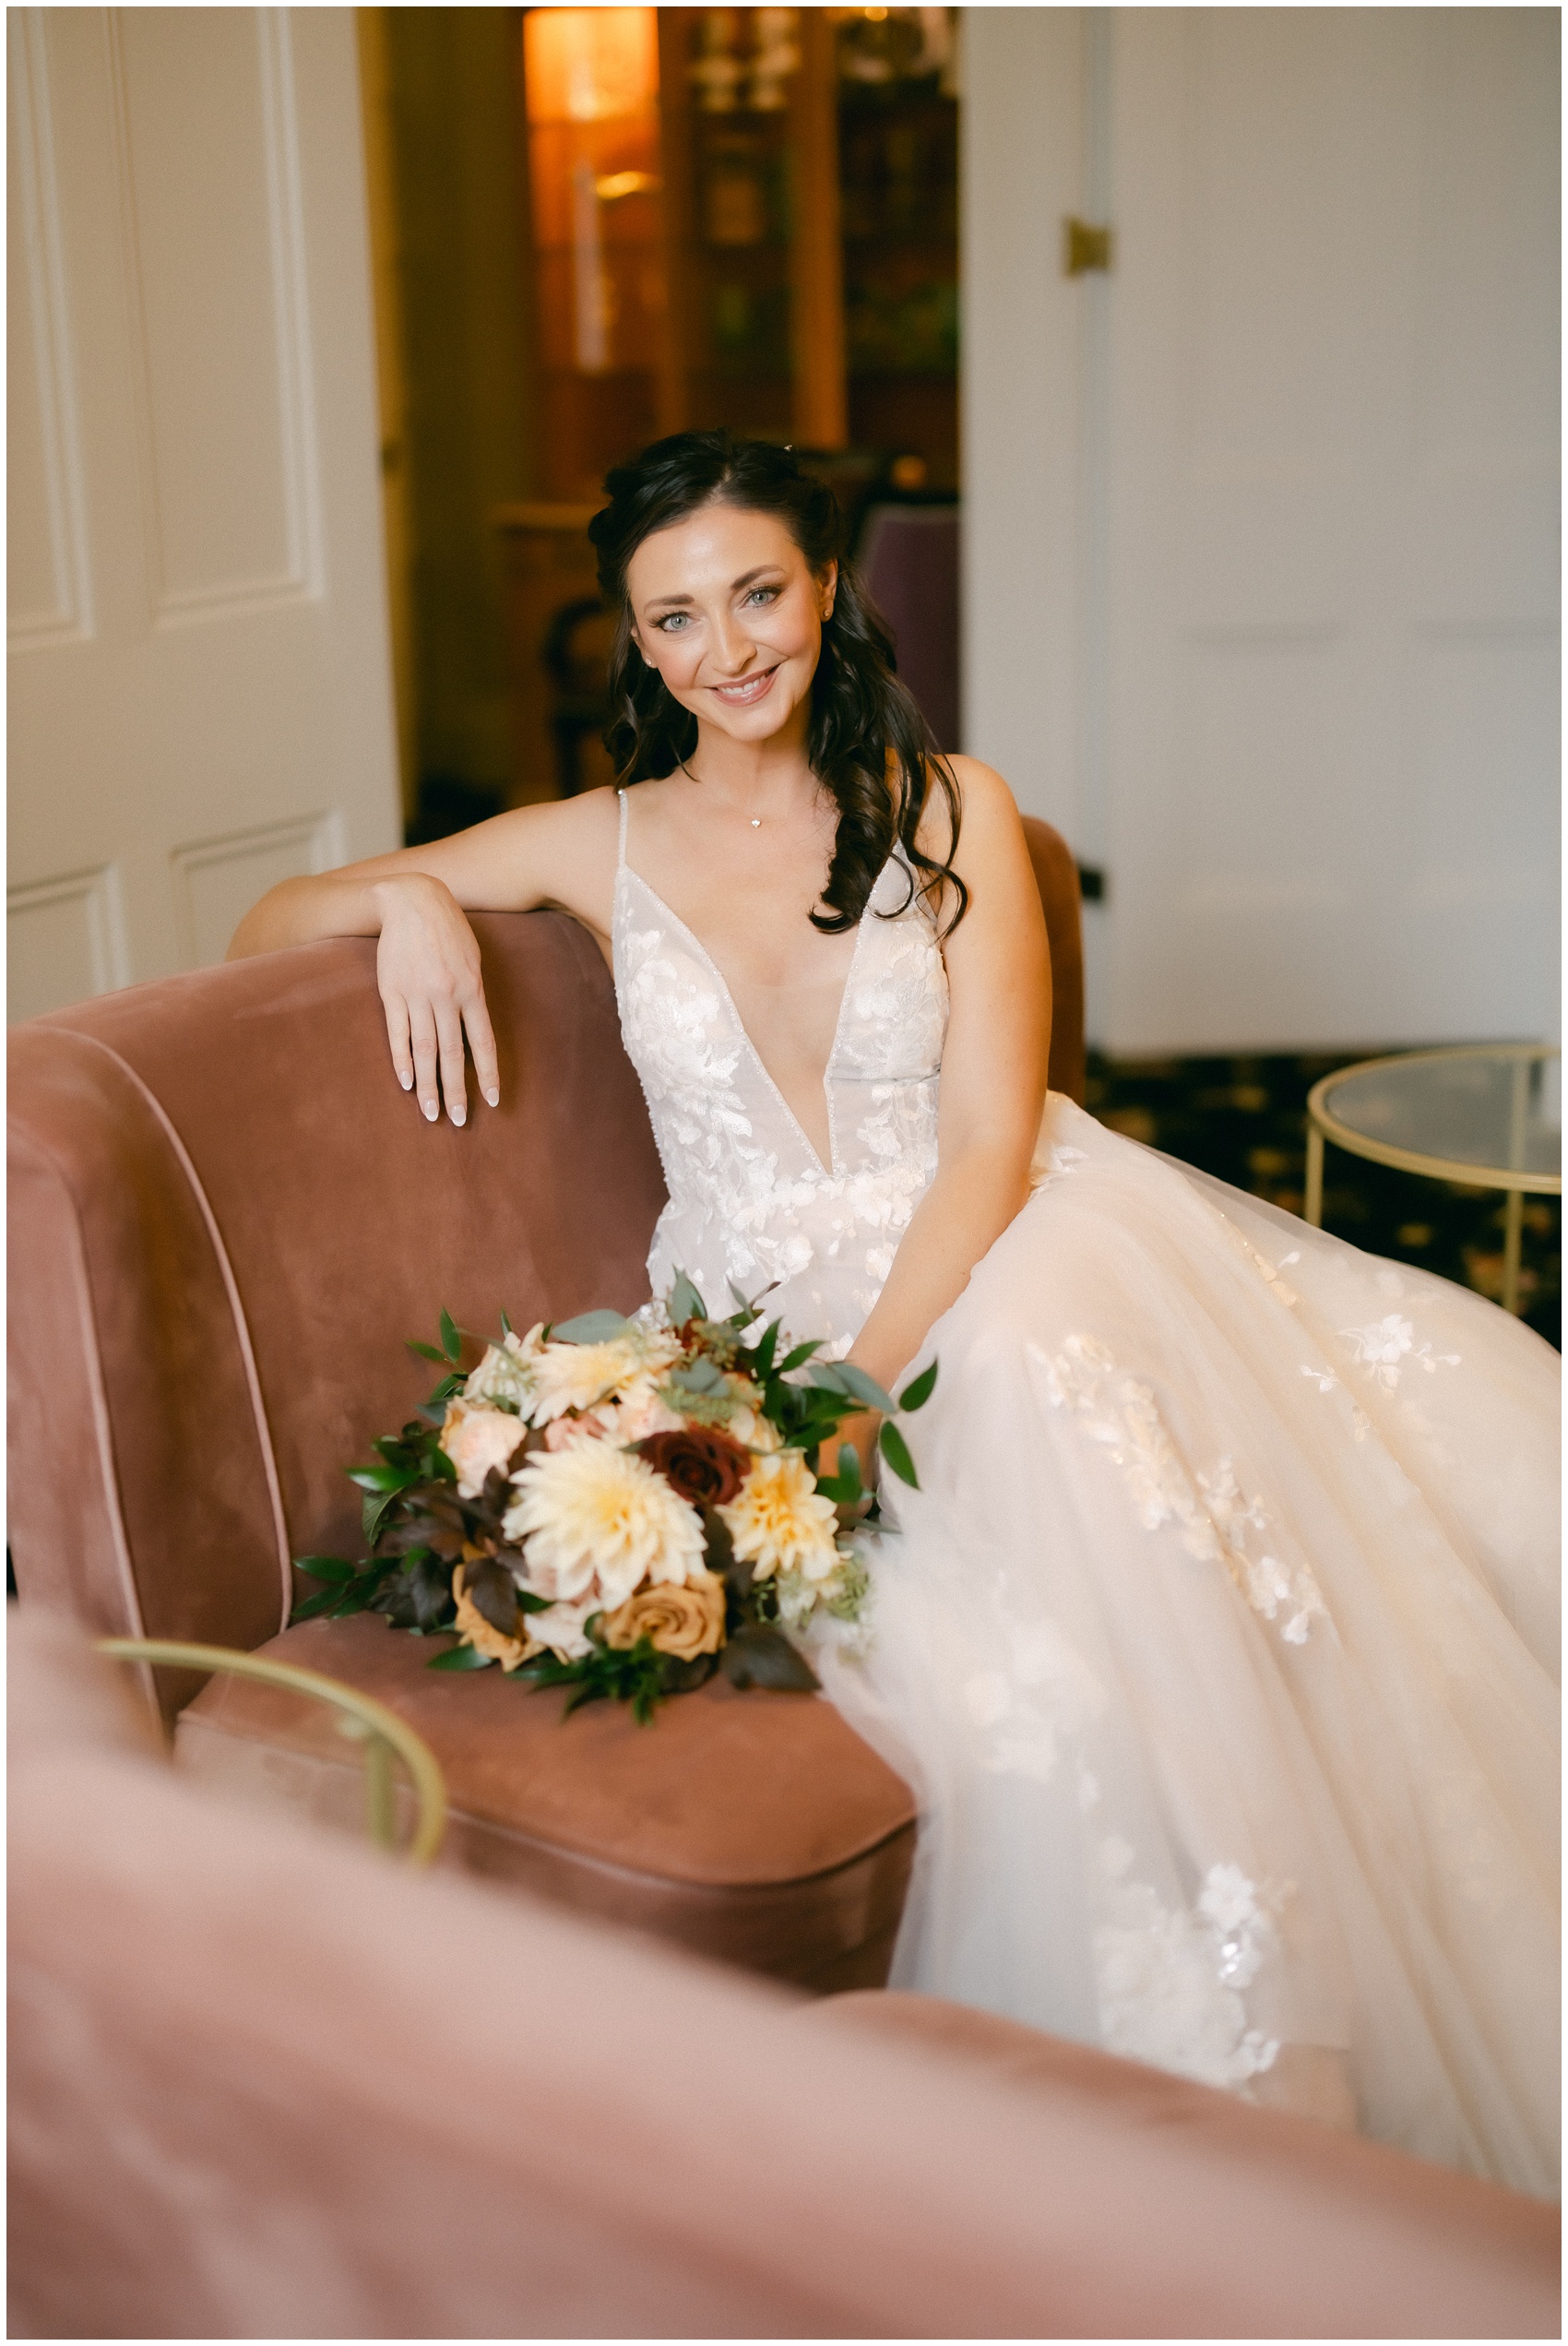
<point x="621" y="856"/>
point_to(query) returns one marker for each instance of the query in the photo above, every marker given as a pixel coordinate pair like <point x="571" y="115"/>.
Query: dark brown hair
<point x="863" y="719"/>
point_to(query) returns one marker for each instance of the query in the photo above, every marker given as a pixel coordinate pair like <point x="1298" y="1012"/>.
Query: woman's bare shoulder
<point x="980" y="804"/>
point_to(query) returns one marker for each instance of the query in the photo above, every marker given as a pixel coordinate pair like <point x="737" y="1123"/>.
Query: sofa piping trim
<point x="103" y="1428"/>
<point x="242" y="1327"/>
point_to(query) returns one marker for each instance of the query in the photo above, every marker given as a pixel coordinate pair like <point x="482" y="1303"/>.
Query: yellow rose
<point x="483" y="1635"/>
<point x="685" y="1620"/>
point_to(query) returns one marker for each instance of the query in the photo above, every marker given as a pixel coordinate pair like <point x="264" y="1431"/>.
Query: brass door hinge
<point x="1084" y="248"/>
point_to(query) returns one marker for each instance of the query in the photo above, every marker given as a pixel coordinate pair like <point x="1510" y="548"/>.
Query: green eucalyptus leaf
<point x="685" y="1303"/>
<point x="916" y="1394"/>
<point x="451" y="1342"/>
<point x="592" y="1328"/>
<point x="800" y="1355"/>
<point x="895" y="1450"/>
<point x="865" y="1388"/>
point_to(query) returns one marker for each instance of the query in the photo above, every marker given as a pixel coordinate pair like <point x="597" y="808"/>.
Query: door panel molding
<point x="216" y="881"/>
<point x="273" y="551"/>
<point x="64" y="615"/>
<point x="64" y="939"/>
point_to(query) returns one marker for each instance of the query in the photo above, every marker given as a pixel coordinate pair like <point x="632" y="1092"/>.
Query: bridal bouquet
<point x="620" y="1506"/>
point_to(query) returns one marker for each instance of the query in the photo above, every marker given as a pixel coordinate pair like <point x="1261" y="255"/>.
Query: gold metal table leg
<point x="1314" y="1175"/>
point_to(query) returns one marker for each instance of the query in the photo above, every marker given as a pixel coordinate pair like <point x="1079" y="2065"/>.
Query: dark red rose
<point x="699" y="1463"/>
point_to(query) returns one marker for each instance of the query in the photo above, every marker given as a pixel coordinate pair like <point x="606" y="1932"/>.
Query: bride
<point x="1219" y="1642"/>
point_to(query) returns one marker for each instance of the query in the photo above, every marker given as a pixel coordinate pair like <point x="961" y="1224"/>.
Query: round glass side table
<point x="1486" y="1114"/>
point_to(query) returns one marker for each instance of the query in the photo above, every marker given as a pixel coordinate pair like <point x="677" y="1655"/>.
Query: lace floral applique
<point x="750" y="1200"/>
<point x="1214" y="1513"/>
<point x="1270" y="1271"/>
<point x="1327" y="1382"/>
<point x="1169" y="1981"/>
<point x="1385" y="1344"/>
<point x="1045" y="1691"/>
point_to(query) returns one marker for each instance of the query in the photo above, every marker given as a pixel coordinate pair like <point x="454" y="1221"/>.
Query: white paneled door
<point x="1260" y="593"/>
<point x="1332" y="526"/>
<point x="199" y="688"/>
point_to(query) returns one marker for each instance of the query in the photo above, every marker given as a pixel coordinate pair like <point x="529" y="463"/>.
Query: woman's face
<point x="726" y="607"/>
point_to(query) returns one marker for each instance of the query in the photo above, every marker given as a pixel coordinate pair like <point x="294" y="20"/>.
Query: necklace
<point x="755" y="820"/>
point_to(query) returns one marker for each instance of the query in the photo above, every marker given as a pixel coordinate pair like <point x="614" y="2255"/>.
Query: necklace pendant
<point x="756" y="822"/>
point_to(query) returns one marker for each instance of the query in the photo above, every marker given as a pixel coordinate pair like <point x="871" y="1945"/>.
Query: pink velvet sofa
<point x="265" y="2083"/>
<point x="225" y="1220"/>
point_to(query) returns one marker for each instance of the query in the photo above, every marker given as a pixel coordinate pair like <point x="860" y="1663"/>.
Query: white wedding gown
<point x="1220" y="1640"/>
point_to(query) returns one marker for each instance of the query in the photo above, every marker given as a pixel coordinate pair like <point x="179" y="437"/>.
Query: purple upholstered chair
<point x="909" y="558"/>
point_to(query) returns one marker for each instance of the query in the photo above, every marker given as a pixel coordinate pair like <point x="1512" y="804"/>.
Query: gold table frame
<point x="364" y="1720"/>
<point x="1323" y="1125"/>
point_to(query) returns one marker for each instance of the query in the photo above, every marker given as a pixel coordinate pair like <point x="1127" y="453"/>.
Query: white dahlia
<point x="575" y="1377"/>
<point x="596" y="1518"/>
<point x="781" y="1522"/>
<point x="506" y="1372"/>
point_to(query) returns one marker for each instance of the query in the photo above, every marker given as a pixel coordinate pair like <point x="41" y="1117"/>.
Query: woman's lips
<point x="742" y="695"/>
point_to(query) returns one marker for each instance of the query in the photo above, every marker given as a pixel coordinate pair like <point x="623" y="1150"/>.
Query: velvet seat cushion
<point x="755" y="1829"/>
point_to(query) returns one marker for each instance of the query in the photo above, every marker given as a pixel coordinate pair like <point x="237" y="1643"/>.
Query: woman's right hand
<point x="427" y="968"/>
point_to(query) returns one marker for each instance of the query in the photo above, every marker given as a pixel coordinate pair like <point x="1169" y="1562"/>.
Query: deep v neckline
<point x="829" y="1171"/>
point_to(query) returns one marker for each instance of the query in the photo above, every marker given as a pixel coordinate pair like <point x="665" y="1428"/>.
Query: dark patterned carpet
<point x="1246" y="1120"/>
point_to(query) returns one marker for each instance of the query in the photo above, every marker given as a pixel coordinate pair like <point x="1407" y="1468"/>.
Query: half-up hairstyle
<point x="867" y="742"/>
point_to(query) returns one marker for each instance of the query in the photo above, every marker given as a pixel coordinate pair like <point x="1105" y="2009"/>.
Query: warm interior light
<point x="589" y="64"/>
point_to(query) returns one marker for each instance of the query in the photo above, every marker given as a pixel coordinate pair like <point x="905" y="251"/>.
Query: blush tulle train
<point x="1220" y="1644"/>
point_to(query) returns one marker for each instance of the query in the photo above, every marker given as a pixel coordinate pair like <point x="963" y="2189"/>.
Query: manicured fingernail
<point x="494" y="1098"/>
<point x="431" y="1110"/>
<point x="459" y="1115"/>
<point x="407" y="1081"/>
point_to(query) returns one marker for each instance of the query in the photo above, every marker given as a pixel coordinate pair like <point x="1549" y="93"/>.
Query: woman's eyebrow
<point x="671" y="603"/>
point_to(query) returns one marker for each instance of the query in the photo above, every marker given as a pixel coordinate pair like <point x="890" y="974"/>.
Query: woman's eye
<point x="672" y="624"/>
<point x="763" y="594"/>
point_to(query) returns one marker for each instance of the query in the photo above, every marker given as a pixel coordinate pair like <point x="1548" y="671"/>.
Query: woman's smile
<point x="749" y="689"/>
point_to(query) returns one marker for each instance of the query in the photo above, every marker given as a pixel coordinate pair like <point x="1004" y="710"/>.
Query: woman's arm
<point x="993" y="1076"/>
<point x="427" y="961"/>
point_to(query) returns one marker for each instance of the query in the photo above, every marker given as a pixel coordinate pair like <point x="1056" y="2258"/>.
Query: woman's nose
<point x="732" y="647"/>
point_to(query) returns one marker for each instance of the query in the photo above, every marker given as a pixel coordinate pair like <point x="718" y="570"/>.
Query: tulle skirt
<point x="1220" y="1646"/>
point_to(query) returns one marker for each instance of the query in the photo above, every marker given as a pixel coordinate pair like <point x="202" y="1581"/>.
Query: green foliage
<point x="461" y="1658"/>
<point x="591" y="1327"/>
<point x="895" y="1450"/>
<point x="611" y="1674"/>
<point x="758" y="1655"/>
